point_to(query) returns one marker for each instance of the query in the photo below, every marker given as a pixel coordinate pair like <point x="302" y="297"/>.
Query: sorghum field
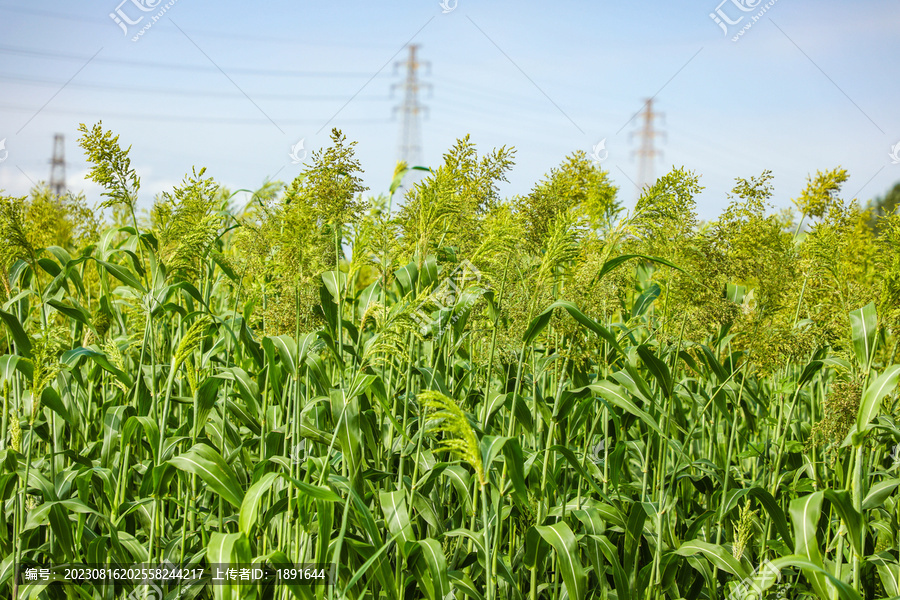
<point x="444" y="393"/>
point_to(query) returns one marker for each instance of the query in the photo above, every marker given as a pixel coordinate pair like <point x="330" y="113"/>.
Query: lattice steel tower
<point x="647" y="151"/>
<point x="409" y="147"/>
<point x="58" y="165"/>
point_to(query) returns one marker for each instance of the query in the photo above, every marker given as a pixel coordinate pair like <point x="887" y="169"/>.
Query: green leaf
<point x="888" y="572"/>
<point x="657" y="368"/>
<point x="813" y="569"/>
<point x="617" y="396"/>
<point x="279" y="559"/>
<point x="434" y="557"/>
<point x="562" y="539"/>
<point x="316" y="491"/>
<point x="206" y="463"/>
<point x="429" y="272"/>
<point x="572" y="460"/>
<point x="870" y="405"/>
<point x="345" y="414"/>
<point x="805" y="514"/>
<point x="809" y="371"/>
<point x="114" y="420"/>
<point x="406" y="277"/>
<point x="10" y="363"/>
<point x="735" y="293"/>
<point x="717" y="555"/>
<point x="843" y="505"/>
<point x="74" y="356"/>
<point x="226" y="549"/>
<point x="515" y="463"/>
<point x="246" y="386"/>
<point x="207" y="395"/>
<point x="620" y="578"/>
<point x="539" y="323"/>
<point x="62" y="529"/>
<point x="396" y="516"/>
<point x="23" y="344"/>
<point x="252" y="498"/>
<point x="490" y="447"/>
<point x="335" y="281"/>
<point x="863" y="327"/>
<point x="151" y="432"/>
<point x="287" y="349"/>
<point x="879" y="492"/>
<point x="50" y="398"/>
<point x="618" y="261"/>
<point x="770" y="505"/>
<point x="123" y="275"/>
<point x="76" y="312"/>
<point x="383" y="573"/>
<point x="645" y="300"/>
<point x="464" y="583"/>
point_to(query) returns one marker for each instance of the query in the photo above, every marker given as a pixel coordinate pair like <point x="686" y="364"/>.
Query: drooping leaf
<point x="207" y="464"/>
<point x="563" y="541"/>
<point x="23" y="344"/>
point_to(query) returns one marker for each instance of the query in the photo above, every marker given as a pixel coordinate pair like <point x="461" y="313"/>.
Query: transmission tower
<point x="58" y="165"/>
<point x="647" y="151"/>
<point x="410" y="143"/>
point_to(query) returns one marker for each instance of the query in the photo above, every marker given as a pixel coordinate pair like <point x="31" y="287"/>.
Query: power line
<point x="182" y="118"/>
<point x="177" y="66"/>
<point x="231" y="36"/>
<point x="144" y="90"/>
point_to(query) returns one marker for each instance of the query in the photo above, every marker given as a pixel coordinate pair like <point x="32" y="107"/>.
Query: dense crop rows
<point x="539" y="397"/>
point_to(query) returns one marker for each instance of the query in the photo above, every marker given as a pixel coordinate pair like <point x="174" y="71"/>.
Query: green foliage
<point x="538" y="397"/>
<point x="577" y="184"/>
<point x="666" y="211"/>
<point x="818" y="199"/>
<point x="292" y="239"/>
<point x="888" y="268"/>
<point x="16" y="241"/>
<point x="445" y="209"/>
<point x="111" y="166"/>
<point x="459" y="437"/>
<point x="883" y="207"/>
<point x="839" y="257"/>
<point x="186" y="224"/>
<point x="759" y="254"/>
<point x="328" y="189"/>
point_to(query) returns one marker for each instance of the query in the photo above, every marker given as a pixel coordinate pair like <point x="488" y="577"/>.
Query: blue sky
<point x="232" y="87"/>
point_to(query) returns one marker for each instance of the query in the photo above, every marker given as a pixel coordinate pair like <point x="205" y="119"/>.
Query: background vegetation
<point x="538" y="397"/>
